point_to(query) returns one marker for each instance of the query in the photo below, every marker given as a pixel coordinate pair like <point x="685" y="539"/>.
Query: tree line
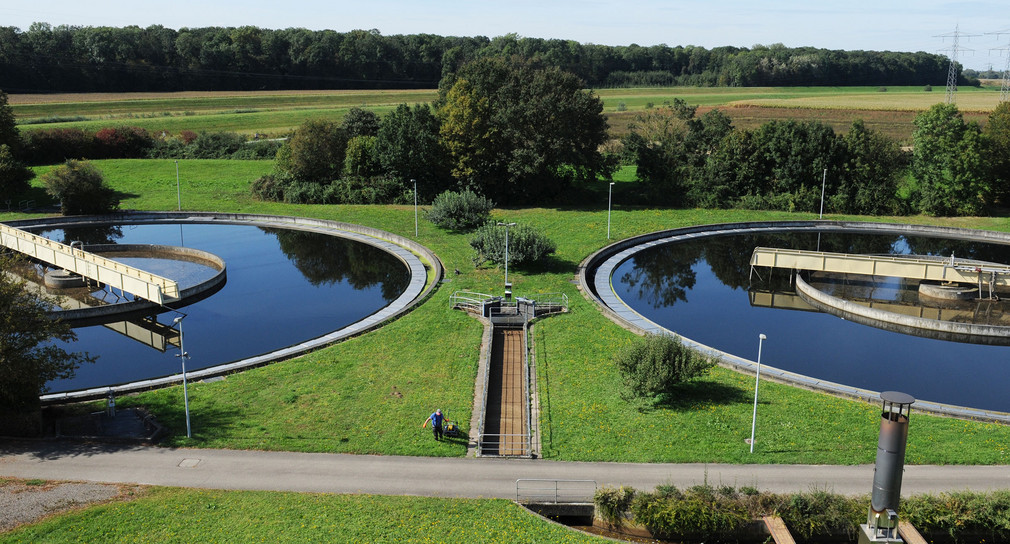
<point x="955" y="167"/>
<point x="46" y="58"/>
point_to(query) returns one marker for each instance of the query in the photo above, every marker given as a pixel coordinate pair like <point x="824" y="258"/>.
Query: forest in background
<point x="64" y="58"/>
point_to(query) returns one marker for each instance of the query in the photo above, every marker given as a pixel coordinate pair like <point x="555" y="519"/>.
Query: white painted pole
<point x="185" y="388"/>
<point x="824" y="182"/>
<point x="757" y="381"/>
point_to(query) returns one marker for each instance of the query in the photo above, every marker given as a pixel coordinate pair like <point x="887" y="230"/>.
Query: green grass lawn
<point x="430" y="356"/>
<point x="184" y="515"/>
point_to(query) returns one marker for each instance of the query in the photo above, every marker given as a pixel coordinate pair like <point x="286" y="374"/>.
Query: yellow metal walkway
<point x="126" y="278"/>
<point x="920" y="268"/>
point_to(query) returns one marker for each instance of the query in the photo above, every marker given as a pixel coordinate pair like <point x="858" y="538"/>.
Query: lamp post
<point x="610" y="199"/>
<point x="182" y="357"/>
<point x="506" y="225"/>
<point x="757" y="380"/>
<point x="178" y="187"/>
<point x="415" y="207"/>
<point x="824" y="182"/>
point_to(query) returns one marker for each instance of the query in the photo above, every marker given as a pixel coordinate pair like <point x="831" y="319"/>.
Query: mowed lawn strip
<point x="342" y="399"/>
<point x="189" y="515"/>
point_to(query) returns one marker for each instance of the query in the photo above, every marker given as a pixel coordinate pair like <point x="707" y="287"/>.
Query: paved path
<point x="438" y="477"/>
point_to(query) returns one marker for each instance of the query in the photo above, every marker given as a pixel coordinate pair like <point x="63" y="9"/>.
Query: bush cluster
<point x="80" y="188"/>
<point x="612" y="503"/>
<point x="464" y="210"/>
<point x="55" y="145"/>
<point x="658" y="363"/>
<point x="525" y="244"/>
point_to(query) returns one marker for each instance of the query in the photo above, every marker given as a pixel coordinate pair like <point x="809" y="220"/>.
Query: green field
<point x="190" y="515"/>
<point x="430" y="357"/>
<point x="277" y="113"/>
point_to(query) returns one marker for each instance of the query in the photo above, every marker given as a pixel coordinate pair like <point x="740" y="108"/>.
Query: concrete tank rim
<point x="414" y="255"/>
<point x="601" y="294"/>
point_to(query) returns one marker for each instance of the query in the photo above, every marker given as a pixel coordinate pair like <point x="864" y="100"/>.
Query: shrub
<point x="362" y="190"/>
<point x="928" y="88"/>
<point x="612" y="503"/>
<point x="122" y="143"/>
<point x="80" y="188"/>
<point x="698" y="511"/>
<point x="819" y="514"/>
<point x="214" y="145"/>
<point x="55" y="145"/>
<point x="270" y="187"/>
<point x="961" y="514"/>
<point x="525" y="244"/>
<point x="14" y="175"/>
<point x="657" y="363"/>
<point x="459" y="211"/>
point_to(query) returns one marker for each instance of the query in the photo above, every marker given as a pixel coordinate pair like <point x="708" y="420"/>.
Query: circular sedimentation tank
<point x="808" y="348"/>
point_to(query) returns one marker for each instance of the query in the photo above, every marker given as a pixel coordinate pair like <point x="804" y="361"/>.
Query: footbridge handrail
<point x="140" y="283"/>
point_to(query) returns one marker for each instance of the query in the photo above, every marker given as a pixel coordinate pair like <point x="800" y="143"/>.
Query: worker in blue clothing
<point x="436" y="423"/>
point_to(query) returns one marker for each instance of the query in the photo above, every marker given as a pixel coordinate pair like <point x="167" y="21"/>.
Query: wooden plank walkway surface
<point x="780" y="533"/>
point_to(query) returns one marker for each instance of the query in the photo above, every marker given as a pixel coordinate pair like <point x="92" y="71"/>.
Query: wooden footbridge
<point x="949" y="270"/>
<point x="126" y="278"/>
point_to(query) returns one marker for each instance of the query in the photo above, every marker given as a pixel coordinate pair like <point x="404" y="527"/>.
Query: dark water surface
<point x="283" y="287"/>
<point x="699" y="289"/>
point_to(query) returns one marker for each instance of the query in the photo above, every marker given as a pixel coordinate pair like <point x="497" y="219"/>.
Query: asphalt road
<point x="440" y="477"/>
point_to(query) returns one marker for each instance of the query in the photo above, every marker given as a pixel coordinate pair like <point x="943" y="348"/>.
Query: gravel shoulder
<point x="28" y="501"/>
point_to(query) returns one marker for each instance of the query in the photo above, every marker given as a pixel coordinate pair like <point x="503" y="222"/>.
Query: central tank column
<point x="882" y="519"/>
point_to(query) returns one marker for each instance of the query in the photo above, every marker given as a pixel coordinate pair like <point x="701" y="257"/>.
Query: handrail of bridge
<point x="155" y="288"/>
<point x="547" y="488"/>
<point x="495" y="441"/>
<point x="527" y="400"/>
<point x="906" y="266"/>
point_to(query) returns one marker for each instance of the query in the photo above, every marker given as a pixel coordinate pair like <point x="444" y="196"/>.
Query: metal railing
<point x="504" y="445"/>
<point x="541" y="490"/>
<point x="469" y="300"/>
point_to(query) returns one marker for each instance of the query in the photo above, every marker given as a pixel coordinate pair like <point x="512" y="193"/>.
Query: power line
<point x="952" y="72"/>
<point x="1004" y="90"/>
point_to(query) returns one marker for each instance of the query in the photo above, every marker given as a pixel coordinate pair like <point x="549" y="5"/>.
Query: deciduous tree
<point x="948" y="162"/>
<point x="518" y="132"/>
<point x="28" y="358"/>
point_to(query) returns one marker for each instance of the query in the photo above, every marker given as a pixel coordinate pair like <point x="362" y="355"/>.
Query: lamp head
<point x="762" y="337"/>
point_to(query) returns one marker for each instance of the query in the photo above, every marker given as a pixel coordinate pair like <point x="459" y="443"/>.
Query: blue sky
<point x="895" y="25"/>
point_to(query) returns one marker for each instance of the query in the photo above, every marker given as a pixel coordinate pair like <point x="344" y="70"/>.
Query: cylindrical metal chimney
<point x="890" y="451"/>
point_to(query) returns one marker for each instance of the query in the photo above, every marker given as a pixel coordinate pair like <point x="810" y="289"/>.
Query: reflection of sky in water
<point x="716" y="311"/>
<point x="267" y="302"/>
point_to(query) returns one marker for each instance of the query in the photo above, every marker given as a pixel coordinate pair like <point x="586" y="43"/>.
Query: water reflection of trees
<point x="325" y="259"/>
<point x="961" y="249"/>
<point x="93" y="234"/>
<point x="663" y="275"/>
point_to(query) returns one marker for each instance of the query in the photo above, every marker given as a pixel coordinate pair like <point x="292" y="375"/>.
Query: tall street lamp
<point x="506" y="225"/>
<point x="757" y="380"/>
<point x="415" y="207"/>
<point x="178" y="187"/>
<point x="182" y="357"/>
<point x="824" y="183"/>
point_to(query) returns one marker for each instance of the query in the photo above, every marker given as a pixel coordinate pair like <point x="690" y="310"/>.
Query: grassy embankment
<point x="184" y="515"/>
<point x="430" y="356"/>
